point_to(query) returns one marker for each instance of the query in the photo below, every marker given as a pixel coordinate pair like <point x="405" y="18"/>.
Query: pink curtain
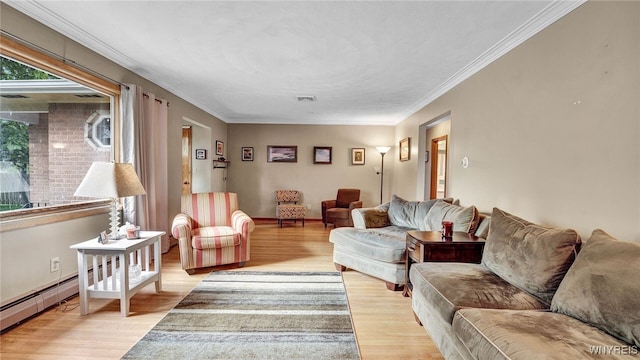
<point x="144" y="137"/>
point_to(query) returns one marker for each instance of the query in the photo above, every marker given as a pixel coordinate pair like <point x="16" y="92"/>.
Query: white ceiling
<point x="372" y="63"/>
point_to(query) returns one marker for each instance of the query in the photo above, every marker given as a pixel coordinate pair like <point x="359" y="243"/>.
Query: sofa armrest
<point x="366" y="218"/>
<point x="181" y="226"/>
<point x="355" y="205"/>
<point x="242" y="223"/>
<point x="328" y="204"/>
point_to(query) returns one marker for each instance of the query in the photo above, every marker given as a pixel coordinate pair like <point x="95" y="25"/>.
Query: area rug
<point x="256" y="315"/>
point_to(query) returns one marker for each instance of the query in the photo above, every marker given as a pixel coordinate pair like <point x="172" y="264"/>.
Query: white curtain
<point x="144" y="137"/>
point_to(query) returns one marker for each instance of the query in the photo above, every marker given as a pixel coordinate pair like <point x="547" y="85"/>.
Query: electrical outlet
<point x="54" y="264"/>
<point x="308" y="206"/>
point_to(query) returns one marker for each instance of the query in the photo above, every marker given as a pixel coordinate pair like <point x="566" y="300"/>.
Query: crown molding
<point x="39" y="12"/>
<point x="544" y="18"/>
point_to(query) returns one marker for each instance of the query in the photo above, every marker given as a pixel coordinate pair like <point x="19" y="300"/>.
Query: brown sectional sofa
<point x="535" y="295"/>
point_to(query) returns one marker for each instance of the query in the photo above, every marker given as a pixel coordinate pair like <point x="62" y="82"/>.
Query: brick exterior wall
<point x="59" y="154"/>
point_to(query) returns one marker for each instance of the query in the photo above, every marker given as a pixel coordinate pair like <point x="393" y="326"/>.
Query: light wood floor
<point x="383" y="320"/>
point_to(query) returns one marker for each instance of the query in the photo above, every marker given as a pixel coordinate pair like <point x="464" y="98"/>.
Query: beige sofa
<point x="529" y="299"/>
<point x="377" y="242"/>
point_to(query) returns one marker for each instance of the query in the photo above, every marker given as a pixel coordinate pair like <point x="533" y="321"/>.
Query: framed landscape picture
<point x="247" y="154"/>
<point x="405" y="149"/>
<point x="357" y="156"/>
<point x="322" y="155"/>
<point x="282" y="153"/>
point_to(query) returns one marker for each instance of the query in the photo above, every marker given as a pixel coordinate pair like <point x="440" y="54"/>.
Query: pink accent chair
<point x="212" y="231"/>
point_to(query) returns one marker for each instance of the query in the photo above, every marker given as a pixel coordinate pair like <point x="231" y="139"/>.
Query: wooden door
<point x="439" y="149"/>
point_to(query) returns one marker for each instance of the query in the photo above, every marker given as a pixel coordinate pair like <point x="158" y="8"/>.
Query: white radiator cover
<point x="31" y="305"/>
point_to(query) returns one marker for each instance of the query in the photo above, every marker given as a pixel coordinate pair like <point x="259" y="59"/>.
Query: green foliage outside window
<point x="14" y="136"/>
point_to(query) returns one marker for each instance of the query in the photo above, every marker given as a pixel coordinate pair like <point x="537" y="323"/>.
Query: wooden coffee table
<point x="424" y="246"/>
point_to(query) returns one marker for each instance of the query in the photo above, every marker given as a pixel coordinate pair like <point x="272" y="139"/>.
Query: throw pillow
<point x="408" y="214"/>
<point x="602" y="289"/>
<point x="482" y="231"/>
<point x="464" y="219"/>
<point x="532" y="257"/>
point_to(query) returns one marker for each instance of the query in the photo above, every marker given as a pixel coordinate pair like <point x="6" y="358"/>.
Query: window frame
<point x="18" y="219"/>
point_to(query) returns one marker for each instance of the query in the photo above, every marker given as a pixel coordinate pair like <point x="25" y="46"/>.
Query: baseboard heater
<point x="14" y="313"/>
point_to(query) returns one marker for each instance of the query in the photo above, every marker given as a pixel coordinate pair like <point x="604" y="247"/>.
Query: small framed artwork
<point x="201" y="154"/>
<point x="247" y="154"/>
<point x="405" y="149"/>
<point x="279" y="153"/>
<point x="219" y="148"/>
<point x="322" y="155"/>
<point x="357" y="156"/>
<point x="102" y="238"/>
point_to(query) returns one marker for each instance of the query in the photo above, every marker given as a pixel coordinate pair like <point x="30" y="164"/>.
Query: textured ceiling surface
<point x="246" y="62"/>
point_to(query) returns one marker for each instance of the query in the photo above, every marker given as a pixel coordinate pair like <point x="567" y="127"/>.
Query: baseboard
<point x="18" y="311"/>
<point x="14" y="313"/>
<point x="262" y="220"/>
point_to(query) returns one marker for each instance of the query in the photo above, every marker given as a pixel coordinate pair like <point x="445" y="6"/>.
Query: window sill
<point x="19" y="219"/>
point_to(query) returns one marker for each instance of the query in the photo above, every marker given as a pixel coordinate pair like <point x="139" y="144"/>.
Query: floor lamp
<point x="382" y="150"/>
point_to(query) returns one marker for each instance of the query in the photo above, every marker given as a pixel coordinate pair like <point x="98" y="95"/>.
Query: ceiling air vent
<point x="11" y="96"/>
<point x="89" y="96"/>
<point x="306" y="98"/>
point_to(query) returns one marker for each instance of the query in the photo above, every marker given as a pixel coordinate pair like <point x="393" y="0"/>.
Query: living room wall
<point x="255" y="181"/>
<point x="552" y="129"/>
<point x="22" y="271"/>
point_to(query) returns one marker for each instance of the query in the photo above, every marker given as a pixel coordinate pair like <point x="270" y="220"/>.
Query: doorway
<point x="186" y="160"/>
<point x="439" y="150"/>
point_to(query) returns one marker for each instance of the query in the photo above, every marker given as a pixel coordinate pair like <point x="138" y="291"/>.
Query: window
<point x="98" y="130"/>
<point x="53" y="124"/>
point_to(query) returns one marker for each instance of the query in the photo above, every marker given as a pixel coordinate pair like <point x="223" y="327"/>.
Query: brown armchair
<point x="338" y="211"/>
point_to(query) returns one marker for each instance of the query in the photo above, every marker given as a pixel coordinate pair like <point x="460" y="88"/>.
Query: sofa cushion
<point x="602" y="287"/>
<point x="482" y="231"/>
<point x="409" y="214"/>
<point x="215" y="237"/>
<point x="523" y="334"/>
<point x="386" y="244"/>
<point x="464" y="219"/>
<point x="452" y="286"/>
<point x="366" y="218"/>
<point x="529" y="256"/>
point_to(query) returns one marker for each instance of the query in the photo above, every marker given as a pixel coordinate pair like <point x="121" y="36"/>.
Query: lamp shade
<point x="383" y="149"/>
<point x="110" y="180"/>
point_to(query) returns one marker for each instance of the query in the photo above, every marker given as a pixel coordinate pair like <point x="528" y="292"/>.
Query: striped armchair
<point x="212" y="231"/>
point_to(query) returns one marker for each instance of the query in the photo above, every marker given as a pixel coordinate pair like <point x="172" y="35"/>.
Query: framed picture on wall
<point x="279" y="153"/>
<point x="201" y="154"/>
<point x="405" y="149"/>
<point x="357" y="156"/>
<point x="219" y="148"/>
<point x="247" y="153"/>
<point x="322" y="155"/>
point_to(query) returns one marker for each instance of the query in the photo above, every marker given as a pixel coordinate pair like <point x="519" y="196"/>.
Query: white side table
<point x="115" y="284"/>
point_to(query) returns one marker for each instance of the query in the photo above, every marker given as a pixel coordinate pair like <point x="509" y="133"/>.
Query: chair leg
<point x="302" y="222"/>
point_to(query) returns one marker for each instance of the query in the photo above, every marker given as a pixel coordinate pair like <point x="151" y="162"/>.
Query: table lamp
<point x="113" y="181"/>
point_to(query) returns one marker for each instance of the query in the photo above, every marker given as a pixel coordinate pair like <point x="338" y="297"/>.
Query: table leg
<point x="83" y="280"/>
<point x="124" y="284"/>
<point x="157" y="263"/>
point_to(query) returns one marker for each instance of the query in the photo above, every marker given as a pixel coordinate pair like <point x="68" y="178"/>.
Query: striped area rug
<point x="256" y="315"/>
